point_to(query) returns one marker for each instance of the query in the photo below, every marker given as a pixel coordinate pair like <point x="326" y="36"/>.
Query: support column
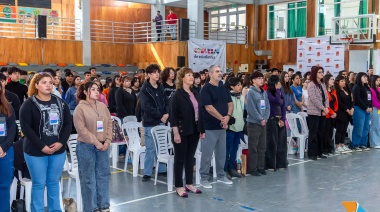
<point x="159" y="6"/>
<point x="82" y="14"/>
<point x="195" y="12"/>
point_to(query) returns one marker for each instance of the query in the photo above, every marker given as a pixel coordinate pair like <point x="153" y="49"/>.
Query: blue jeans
<point x="45" y="171"/>
<point x="94" y="176"/>
<point x="150" y="153"/>
<point x="232" y="146"/>
<point x="361" y="127"/>
<point x="6" y="178"/>
<point x="374" y="130"/>
<point x="173" y="31"/>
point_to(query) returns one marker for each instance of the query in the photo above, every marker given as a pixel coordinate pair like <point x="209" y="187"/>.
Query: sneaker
<point x="339" y="150"/>
<point x="346" y="149"/>
<point x="262" y="172"/>
<point x="357" y="149"/>
<point x="377" y="147"/>
<point x="228" y="176"/>
<point x="325" y="154"/>
<point x="224" y="180"/>
<point x="105" y="210"/>
<point x="254" y="173"/>
<point x="205" y="184"/>
<point x="145" y="178"/>
<point x="234" y="173"/>
<point x="364" y="148"/>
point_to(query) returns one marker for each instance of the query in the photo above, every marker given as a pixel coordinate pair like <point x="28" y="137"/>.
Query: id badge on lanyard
<point x="53" y="116"/>
<point x="262" y="104"/>
<point x="99" y="124"/>
<point x="3" y="127"/>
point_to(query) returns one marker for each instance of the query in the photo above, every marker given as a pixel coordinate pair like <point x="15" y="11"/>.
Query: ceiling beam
<point x="141" y="1"/>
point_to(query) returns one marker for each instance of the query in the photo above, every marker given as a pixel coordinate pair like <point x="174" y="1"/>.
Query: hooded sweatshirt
<point x="87" y="117"/>
<point x="258" y="107"/>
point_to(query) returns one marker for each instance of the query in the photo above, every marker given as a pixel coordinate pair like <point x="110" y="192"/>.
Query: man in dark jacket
<point x="154" y="111"/>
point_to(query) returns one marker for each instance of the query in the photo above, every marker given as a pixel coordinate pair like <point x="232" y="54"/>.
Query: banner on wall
<point x="7" y="14"/>
<point x="319" y="52"/>
<point x="204" y="53"/>
<point x="29" y="15"/>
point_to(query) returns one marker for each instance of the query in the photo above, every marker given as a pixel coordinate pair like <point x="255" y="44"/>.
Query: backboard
<point x="361" y="28"/>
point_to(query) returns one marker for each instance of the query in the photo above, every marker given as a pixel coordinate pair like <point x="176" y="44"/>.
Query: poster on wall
<point x="27" y="15"/>
<point x="7" y="14"/>
<point x="204" y="53"/>
<point x="319" y="52"/>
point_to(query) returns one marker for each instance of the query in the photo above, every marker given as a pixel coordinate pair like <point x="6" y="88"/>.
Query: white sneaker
<point x="339" y="150"/>
<point x="346" y="149"/>
<point x="205" y="184"/>
<point x="357" y="149"/>
<point x="377" y="147"/>
<point x="364" y="148"/>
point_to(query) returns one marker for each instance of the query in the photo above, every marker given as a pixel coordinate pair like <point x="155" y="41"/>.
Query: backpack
<point x="18" y="205"/>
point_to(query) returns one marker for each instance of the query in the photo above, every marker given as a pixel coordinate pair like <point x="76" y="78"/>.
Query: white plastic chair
<point x="131" y="129"/>
<point x="305" y="128"/>
<point x="161" y="137"/>
<point x="115" y="146"/>
<point x="129" y="118"/>
<point x="302" y="136"/>
<point x="13" y="189"/>
<point x="350" y="129"/>
<point x="73" y="169"/>
<point x="198" y="156"/>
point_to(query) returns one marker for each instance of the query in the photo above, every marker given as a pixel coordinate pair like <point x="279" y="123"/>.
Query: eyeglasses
<point x="320" y="72"/>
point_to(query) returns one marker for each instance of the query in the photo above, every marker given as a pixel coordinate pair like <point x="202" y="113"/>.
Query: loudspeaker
<point x="184" y="29"/>
<point x="180" y="61"/>
<point x="41" y="26"/>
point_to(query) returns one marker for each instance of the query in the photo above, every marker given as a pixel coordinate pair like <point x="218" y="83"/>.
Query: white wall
<point x="359" y="60"/>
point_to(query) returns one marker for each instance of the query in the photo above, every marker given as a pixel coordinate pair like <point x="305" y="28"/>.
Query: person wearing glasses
<point x="317" y="109"/>
<point x="258" y="109"/>
<point x="46" y="123"/>
<point x="93" y="122"/>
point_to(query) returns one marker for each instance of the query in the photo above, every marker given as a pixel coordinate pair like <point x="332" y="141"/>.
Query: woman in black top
<point x="112" y="92"/>
<point x="186" y="120"/>
<point x="136" y="85"/>
<point x="125" y="98"/>
<point x="362" y="111"/>
<point x="344" y="113"/>
<point x="7" y="132"/>
<point x="167" y="79"/>
<point x="46" y="123"/>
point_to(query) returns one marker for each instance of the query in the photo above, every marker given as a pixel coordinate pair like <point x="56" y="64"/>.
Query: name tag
<point x="99" y="126"/>
<point x="369" y="97"/>
<point x="53" y="118"/>
<point x="262" y="104"/>
<point x="3" y="127"/>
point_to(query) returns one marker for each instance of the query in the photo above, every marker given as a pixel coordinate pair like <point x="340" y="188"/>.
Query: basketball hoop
<point x="346" y="42"/>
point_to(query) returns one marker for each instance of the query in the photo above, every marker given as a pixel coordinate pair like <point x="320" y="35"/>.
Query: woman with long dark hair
<point x="362" y="110"/>
<point x="7" y="132"/>
<point x="93" y="123"/>
<point x="168" y="76"/>
<point x="287" y="92"/>
<point x="344" y="113"/>
<point x="46" y="123"/>
<point x="135" y="85"/>
<point x="374" y="131"/>
<point x="276" y="152"/>
<point x="186" y="120"/>
<point x="317" y="109"/>
<point x="327" y="142"/>
<point x="125" y="98"/>
<point x="297" y="90"/>
<point x="112" y="93"/>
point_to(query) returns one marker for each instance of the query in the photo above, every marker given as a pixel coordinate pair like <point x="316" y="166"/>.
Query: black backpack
<point x="18" y="206"/>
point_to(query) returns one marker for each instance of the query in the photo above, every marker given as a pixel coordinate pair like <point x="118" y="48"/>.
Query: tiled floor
<point x="307" y="185"/>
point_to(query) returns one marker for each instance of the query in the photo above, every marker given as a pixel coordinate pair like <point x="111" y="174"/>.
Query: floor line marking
<point x="139" y="175"/>
<point x="295" y="159"/>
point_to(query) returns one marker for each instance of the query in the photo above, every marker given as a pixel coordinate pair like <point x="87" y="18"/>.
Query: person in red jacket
<point x="328" y="145"/>
<point x="172" y="21"/>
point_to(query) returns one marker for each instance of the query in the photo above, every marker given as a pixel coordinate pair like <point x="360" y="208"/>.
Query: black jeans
<point x="341" y="129"/>
<point x="327" y="141"/>
<point x="276" y="152"/>
<point x="257" y="142"/>
<point x="316" y="128"/>
<point x="184" y="156"/>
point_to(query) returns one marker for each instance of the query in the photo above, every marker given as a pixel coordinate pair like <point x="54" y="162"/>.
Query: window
<point x="328" y="9"/>
<point x="287" y="20"/>
<point x="227" y="18"/>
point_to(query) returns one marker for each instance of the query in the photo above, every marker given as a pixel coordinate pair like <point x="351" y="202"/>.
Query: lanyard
<point x="96" y="110"/>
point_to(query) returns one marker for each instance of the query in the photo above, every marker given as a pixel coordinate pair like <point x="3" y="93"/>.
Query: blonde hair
<point x="181" y="74"/>
<point x="32" y="90"/>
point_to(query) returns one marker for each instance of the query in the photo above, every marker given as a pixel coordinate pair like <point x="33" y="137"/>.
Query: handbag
<point x="70" y="205"/>
<point x="18" y="205"/>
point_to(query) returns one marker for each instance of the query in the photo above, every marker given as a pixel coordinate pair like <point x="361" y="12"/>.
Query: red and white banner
<point x="319" y="52"/>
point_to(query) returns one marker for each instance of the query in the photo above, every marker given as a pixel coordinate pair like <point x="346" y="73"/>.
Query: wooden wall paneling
<point x="346" y="60"/>
<point x="165" y="54"/>
<point x="263" y="16"/>
<point x="20" y="50"/>
<point x="311" y="18"/>
<point x="250" y="22"/>
<point x="60" y="51"/>
<point x="111" y="53"/>
<point x="180" y="12"/>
